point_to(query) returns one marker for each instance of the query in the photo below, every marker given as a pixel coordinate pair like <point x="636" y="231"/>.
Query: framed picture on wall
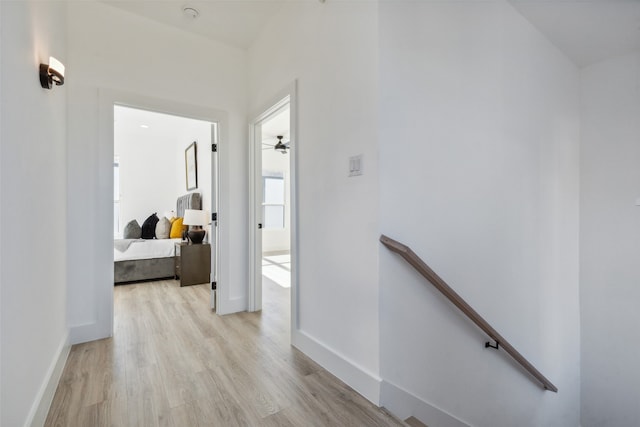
<point x="191" y="166"/>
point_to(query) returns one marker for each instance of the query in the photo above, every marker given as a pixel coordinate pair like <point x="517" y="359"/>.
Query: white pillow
<point x="163" y="228"/>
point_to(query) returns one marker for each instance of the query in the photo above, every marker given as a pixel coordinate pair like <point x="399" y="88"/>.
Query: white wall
<point x="132" y="60"/>
<point x="610" y="242"/>
<point x="479" y="175"/>
<point x="200" y="132"/>
<point x="152" y="165"/>
<point x="33" y="210"/>
<point x="331" y="50"/>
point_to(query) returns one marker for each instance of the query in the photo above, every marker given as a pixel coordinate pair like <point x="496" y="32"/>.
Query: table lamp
<point x="196" y="219"/>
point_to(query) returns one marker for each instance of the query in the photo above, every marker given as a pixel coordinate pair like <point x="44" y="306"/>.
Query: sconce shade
<point x="51" y="73"/>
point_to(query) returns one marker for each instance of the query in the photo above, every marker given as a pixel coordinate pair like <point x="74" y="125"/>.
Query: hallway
<point x="172" y="362"/>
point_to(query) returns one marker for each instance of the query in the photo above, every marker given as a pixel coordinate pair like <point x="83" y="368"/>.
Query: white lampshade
<point x="196" y="217"/>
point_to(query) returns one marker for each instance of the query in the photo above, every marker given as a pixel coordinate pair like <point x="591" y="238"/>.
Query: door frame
<point x="104" y="270"/>
<point x="286" y="96"/>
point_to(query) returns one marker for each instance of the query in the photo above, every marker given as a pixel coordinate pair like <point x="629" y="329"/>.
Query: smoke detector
<point x="190" y="12"/>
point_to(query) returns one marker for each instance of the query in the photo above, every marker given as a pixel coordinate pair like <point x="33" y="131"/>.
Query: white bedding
<point x="146" y="249"/>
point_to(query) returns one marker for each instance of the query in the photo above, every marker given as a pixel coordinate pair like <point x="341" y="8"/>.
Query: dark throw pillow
<point x="149" y="227"/>
<point x="132" y="230"/>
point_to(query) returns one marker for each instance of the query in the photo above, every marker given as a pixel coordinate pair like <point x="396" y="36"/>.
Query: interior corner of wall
<point x="87" y="332"/>
<point x="357" y="377"/>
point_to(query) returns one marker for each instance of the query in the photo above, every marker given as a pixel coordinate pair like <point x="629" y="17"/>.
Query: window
<point x="116" y="197"/>
<point x="273" y="201"/>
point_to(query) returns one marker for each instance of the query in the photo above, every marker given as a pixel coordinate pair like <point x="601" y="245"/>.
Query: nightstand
<point x="193" y="263"/>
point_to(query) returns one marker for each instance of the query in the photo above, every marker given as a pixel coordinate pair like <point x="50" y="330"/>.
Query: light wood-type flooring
<point x="172" y="362"/>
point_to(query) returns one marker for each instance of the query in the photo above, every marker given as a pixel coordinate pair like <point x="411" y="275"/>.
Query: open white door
<point x="213" y="231"/>
<point x="255" y="219"/>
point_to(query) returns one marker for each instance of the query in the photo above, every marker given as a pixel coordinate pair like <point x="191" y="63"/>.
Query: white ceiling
<point x="236" y="23"/>
<point x="587" y="31"/>
<point x="145" y="124"/>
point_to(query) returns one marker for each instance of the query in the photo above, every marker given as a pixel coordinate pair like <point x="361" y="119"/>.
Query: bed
<point x="137" y="260"/>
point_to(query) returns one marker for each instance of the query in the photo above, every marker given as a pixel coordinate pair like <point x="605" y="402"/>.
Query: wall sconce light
<point x="51" y="73"/>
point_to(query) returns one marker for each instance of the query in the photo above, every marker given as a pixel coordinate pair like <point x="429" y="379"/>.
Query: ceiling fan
<point x="280" y="146"/>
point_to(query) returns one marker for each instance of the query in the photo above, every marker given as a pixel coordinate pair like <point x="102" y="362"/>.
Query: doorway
<point x="101" y="325"/>
<point x="276" y="210"/>
<point x="151" y="171"/>
<point x="273" y="212"/>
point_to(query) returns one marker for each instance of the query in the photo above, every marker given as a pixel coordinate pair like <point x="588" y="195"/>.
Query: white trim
<point x="254" y="302"/>
<point x="40" y="408"/>
<point x="404" y="404"/>
<point x="360" y="379"/>
<point x="233" y="305"/>
<point x="87" y="332"/>
<point x="103" y="326"/>
<point x="293" y="173"/>
<point x="286" y="96"/>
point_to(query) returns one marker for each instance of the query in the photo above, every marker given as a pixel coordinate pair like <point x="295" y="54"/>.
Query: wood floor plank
<point x="184" y="415"/>
<point x="172" y="362"/>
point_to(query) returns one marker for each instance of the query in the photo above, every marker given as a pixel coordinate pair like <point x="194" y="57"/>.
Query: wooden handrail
<point x="457" y="300"/>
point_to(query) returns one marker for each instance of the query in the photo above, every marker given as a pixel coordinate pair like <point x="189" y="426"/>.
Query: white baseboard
<point x="42" y="403"/>
<point x="358" y="378"/>
<point x="87" y="332"/>
<point x="403" y="405"/>
<point x="232" y="305"/>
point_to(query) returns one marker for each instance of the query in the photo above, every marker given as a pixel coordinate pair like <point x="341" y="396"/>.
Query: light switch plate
<point x="355" y="165"/>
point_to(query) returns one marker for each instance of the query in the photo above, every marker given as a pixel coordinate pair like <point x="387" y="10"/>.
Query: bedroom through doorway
<point x="276" y="210"/>
<point x="165" y="187"/>
<point x="272" y="212"/>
